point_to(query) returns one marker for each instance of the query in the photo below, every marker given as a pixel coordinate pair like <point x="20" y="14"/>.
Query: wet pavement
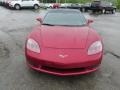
<point x="15" y="75"/>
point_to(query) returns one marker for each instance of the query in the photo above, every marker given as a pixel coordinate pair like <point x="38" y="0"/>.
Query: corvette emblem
<point x="63" y="56"/>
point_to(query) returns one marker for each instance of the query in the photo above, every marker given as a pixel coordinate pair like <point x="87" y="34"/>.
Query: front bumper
<point x="10" y="5"/>
<point x="78" y="71"/>
<point x="61" y="69"/>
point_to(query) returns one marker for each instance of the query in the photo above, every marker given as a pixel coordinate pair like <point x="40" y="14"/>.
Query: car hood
<point x="64" y="37"/>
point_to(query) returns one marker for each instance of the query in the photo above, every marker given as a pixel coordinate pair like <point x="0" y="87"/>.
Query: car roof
<point x="64" y="10"/>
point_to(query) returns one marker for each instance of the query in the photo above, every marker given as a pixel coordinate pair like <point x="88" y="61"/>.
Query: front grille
<point x="59" y="70"/>
<point x="47" y="66"/>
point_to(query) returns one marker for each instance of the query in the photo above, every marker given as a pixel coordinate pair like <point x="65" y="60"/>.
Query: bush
<point x="78" y="1"/>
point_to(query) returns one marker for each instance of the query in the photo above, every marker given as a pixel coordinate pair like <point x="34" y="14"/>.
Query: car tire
<point x="36" y="7"/>
<point x="83" y="10"/>
<point x="113" y="11"/>
<point x="50" y="7"/>
<point x="17" y="7"/>
<point x="103" y="11"/>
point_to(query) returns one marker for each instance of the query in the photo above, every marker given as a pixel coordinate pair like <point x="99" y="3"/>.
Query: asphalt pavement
<point x="15" y="75"/>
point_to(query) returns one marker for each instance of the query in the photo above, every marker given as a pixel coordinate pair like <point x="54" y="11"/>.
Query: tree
<point x="118" y="4"/>
<point x="115" y="2"/>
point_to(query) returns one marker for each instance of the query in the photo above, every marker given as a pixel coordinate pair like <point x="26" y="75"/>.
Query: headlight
<point x="95" y="48"/>
<point x="32" y="45"/>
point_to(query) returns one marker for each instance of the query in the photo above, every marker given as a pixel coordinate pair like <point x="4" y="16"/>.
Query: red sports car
<point x="56" y="5"/>
<point x="64" y="44"/>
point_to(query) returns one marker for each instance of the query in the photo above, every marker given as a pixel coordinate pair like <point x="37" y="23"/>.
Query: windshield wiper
<point x="48" y="24"/>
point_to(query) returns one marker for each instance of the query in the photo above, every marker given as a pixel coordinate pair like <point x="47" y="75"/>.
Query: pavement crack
<point x="16" y="29"/>
<point x="112" y="53"/>
<point x="11" y="36"/>
<point x="4" y="51"/>
<point x="20" y="46"/>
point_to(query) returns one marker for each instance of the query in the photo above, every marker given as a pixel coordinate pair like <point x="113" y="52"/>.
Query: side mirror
<point x="39" y="19"/>
<point x="90" y="21"/>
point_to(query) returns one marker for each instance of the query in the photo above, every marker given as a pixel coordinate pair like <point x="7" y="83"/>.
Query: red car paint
<point x="64" y="50"/>
<point x="56" y="5"/>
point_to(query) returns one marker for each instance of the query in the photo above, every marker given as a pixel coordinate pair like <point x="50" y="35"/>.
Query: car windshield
<point x="66" y="18"/>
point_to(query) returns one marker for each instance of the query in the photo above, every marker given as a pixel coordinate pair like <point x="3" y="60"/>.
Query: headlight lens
<point x="95" y="48"/>
<point x="32" y="45"/>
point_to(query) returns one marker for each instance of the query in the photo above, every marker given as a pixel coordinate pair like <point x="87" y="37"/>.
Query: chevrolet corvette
<point x="64" y="44"/>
